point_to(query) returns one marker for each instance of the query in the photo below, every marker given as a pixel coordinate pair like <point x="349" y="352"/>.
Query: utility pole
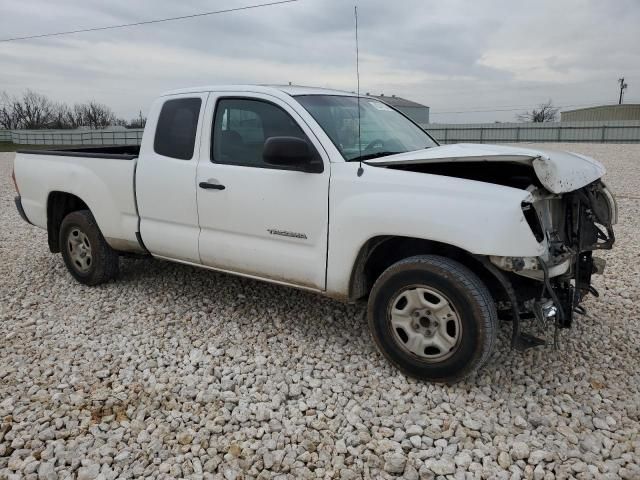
<point x="623" y="87"/>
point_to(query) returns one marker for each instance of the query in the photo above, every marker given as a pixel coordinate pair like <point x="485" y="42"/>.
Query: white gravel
<point x="177" y="372"/>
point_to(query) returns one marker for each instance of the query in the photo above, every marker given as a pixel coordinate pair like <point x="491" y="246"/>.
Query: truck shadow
<point x="287" y="313"/>
<point x="221" y="311"/>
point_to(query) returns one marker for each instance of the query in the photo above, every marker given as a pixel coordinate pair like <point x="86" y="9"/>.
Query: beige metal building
<point x="626" y="111"/>
<point x="415" y="111"/>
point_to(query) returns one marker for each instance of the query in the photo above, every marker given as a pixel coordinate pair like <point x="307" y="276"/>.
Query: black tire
<point x="472" y="305"/>
<point x="104" y="261"/>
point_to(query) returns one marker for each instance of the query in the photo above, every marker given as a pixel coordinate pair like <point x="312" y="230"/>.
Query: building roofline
<point x="598" y="107"/>
<point x="396" y="101"/>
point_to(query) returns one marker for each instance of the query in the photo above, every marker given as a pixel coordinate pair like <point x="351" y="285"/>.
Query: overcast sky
<point x="454" y="55"/>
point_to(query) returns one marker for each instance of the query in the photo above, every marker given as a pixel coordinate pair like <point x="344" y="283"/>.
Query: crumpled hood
<point x="558" y="172"/>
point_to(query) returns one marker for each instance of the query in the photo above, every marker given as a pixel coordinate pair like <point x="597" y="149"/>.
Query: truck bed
<point x="88" y="175"/>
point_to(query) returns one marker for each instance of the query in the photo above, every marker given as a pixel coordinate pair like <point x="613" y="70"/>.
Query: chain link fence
<point x="627" y="131"/>
<point x="73" y="137"/>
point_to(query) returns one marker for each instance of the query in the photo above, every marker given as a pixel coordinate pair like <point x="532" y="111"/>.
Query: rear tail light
<point x="15" y="184"/>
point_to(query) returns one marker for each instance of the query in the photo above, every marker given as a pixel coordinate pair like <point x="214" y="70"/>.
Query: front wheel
<point x="88" y="257"/>
<point x="432" y="318"/>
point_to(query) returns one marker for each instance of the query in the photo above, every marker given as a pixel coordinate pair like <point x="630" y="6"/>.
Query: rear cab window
<point x="177" y="126"/>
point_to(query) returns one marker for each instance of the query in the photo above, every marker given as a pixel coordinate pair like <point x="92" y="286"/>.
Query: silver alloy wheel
<point x="424" y="323"/>
<point x="79" y="250"/>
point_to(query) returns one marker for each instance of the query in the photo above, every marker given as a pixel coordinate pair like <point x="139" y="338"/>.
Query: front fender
<point x="480" y="218"/>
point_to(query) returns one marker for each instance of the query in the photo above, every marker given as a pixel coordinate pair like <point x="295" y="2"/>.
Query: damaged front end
<point x="569" y="211"/>
<point x="571" y="226"/>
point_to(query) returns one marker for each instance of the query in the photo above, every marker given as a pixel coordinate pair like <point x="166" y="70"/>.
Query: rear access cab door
<point x="261" y="220"/>
<point x="165" y="177"/>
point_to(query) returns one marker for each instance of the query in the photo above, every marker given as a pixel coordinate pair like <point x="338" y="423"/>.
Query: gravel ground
<point x="177" y="372"/>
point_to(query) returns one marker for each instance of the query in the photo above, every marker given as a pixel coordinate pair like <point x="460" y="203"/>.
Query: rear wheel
<point x="88" y="257"/>
<point x="432" y="318"/>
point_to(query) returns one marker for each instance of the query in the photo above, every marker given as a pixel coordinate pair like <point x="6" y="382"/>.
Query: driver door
<point x="257" y="219"/>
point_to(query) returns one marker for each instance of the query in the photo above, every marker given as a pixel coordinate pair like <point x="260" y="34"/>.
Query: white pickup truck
<point x="345" y="196"/>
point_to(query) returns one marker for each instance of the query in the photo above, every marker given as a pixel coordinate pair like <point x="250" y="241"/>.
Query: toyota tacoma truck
<point x="343" y="195"/>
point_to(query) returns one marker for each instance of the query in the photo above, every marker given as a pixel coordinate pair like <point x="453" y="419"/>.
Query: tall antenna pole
<point x="623" y="86"/>
<point x="355" y="13"/>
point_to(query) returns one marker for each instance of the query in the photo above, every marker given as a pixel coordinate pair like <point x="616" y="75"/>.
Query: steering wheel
<point x="377" y="144"/>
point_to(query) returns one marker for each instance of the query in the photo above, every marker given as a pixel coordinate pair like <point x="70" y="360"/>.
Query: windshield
<point x="383" y="130"/>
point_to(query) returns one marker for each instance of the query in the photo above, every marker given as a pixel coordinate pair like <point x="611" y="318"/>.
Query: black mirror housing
<point x="291" y="152"/>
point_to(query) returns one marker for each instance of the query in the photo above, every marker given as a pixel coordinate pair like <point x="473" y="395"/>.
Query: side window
<point x="176" y="129"/>
<point x="241" y="127"/>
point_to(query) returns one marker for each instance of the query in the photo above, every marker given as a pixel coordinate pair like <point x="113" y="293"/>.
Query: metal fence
<point x="73" y="137"/>
<point x="623" y="131"/>
<point x="627" y="131"/>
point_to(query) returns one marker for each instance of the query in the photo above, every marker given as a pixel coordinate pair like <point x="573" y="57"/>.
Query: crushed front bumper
<point x="552" y="286"/>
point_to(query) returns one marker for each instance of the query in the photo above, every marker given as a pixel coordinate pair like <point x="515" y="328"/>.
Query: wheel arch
<point x="380" y="252"/>
<point x="59" y="205"/>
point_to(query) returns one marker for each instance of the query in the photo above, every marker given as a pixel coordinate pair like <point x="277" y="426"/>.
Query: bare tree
<point x="139" y="122"/>
<point x="96" y="115"/>
<point x="76" y="116"/>
<point x="545" y="112"/>
<point x="35" y="111"/>
<point x="62" y="117"/>
<point x="32" y="111"/>
<point x="7" y="118"/>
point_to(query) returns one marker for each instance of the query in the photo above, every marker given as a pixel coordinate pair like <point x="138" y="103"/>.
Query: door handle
<point x="211" y="186"/>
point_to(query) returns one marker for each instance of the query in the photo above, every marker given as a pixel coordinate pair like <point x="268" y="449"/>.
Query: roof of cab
<point x="291" y="90"/>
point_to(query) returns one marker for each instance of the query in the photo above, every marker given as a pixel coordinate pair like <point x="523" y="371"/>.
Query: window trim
<point x="263" y="165"/>
<point x="196" y="140"/>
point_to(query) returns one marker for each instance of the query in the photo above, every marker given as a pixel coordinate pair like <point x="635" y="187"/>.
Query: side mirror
<point x="290" y="152"/>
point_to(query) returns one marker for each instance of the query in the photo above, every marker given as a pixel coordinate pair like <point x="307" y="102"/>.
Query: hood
<point x="558" y="172"/>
